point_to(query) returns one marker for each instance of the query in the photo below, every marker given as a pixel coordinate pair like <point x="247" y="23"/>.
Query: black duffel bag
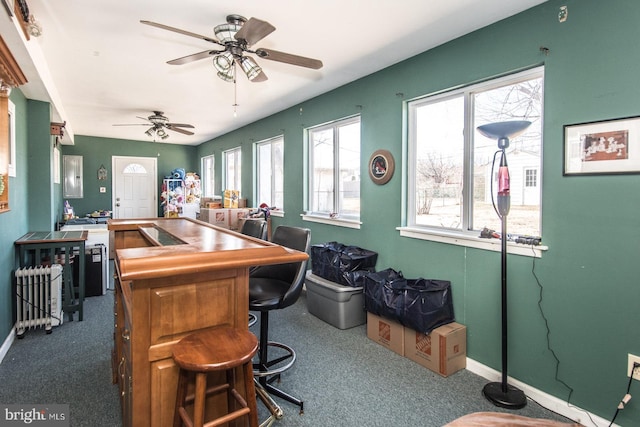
<point x="340" y="263"/>
<point x="420" y="304"/>
<point x="324" y="257"/>
<point x="379" y="298"/>
<point x="427" y="304"/>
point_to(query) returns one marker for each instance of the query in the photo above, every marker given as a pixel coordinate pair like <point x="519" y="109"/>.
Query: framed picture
<point x="381" y="166"/>
<point x="606" y="147"/>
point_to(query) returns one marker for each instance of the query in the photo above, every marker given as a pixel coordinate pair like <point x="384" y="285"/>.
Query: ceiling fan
<point x="236" y="37"/>
<point x="159" y="123"/>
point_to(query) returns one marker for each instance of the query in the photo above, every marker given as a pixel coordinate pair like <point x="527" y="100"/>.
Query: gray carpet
<point x="344" y="378"/>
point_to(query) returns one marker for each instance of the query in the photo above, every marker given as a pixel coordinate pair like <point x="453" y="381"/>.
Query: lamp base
<point x="513" y="398"/>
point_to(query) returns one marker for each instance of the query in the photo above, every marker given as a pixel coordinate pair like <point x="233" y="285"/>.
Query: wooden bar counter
<point x="175" y="276"/>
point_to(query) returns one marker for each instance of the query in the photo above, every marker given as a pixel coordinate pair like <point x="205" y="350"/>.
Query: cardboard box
<point x="230" y="199"/>
<point x="388" y="333"/>
<point x="444" y="350"/>
<point x="235" y="215"/>
<point x="219" y="217"/>
<point x="227" y="218"/>
<point x="211" y="202"/>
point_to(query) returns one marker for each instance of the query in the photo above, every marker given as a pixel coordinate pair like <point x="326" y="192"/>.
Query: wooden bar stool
<point x="210" y="350"/>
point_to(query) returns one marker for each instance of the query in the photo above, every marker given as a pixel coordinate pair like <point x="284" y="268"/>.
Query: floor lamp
<point x="500" y="393"/>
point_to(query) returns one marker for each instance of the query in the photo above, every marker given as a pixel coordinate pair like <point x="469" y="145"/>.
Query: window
<point x="232" y="169"/>
<point x="530" y="177"/>
<point x="270" y="172"/>
<point x="208" y="176"/>
<point x="334" y="170"/>
<point x="451" y="172"/>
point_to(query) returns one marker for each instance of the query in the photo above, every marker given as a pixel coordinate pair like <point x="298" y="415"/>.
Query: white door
<point x="134" y="187"/>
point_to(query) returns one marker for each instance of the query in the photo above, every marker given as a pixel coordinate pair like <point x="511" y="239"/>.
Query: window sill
<point x="278" y="213"/>
<point x="332" y="221"/>
<point x="472" y="242"/>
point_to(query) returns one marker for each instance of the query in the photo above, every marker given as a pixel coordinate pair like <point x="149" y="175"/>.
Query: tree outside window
<point x="451" y="166"/>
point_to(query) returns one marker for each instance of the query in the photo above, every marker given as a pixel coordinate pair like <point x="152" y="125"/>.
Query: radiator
<point x="38" y="298"/>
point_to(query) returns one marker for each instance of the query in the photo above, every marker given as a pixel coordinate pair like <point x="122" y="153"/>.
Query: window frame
<point x="208" y="177"/>
<point x="257" y="162"/>
<point x="237" y="153"/>
<point x="333" y="218"/>
<point x="462" y="236"/>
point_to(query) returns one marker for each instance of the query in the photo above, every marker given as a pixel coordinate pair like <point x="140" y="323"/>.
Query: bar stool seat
<point x="217" y="349"/>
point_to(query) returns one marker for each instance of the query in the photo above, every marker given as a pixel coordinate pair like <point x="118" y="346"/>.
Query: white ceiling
<point x="101" y="66"/>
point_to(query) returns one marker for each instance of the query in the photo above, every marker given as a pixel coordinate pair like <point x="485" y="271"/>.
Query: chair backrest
<point x="294" y="273"/>
<point x="255" y="228"/>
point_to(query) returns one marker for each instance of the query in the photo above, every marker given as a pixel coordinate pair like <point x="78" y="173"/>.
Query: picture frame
<point x="602" y="147"/>
<point x="381" y="166"/>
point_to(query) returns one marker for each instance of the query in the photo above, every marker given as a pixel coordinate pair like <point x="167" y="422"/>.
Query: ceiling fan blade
<point x="186" y="132"/>
<point x="254" y="30"/>
<point x="182" y="125"/>
<point x="194" y="57"/>
<point x="184" y="32"/>
<point x="289" y="58"/>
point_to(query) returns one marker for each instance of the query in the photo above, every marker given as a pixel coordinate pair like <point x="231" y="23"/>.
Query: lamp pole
<point x="501" y="393"/>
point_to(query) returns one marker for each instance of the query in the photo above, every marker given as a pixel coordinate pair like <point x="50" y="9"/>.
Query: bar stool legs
<point x="217" y="349"/>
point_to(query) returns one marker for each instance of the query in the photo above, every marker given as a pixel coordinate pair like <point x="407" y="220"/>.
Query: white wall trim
<point x="550" y="402"/>
<point x="6" y="345"/>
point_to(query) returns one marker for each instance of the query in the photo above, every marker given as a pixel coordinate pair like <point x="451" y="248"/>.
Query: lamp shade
<point x="223" y="62"/>
<point x="226" y="32"/>
<point x="250" y="67"/>
<point x="228" y="75"/>
<point x="501" y="130"/>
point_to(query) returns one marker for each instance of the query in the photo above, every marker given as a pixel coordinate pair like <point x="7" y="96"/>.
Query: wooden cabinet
<point x="164" y="293"/>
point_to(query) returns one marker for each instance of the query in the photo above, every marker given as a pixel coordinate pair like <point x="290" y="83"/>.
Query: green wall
<point x="14" y="223"/>
<point x="584" y="287"/>
<point x="98" y="151"/>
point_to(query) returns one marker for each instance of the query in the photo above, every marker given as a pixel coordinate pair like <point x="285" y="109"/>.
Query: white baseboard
<point x="550" y="402"/>
<point x="6" y="345"/>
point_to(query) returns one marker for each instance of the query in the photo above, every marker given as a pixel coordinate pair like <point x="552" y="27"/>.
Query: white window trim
<point x="320" y="217"/>
<point x="461" y="237"/>
<point x="454" y="238"/>
<point x="234" y="151"/>
<point x="210" y="192"/>
<point x="256" y="166"/>
<point x="339" y="222"/>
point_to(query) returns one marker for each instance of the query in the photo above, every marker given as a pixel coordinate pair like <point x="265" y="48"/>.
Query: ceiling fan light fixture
<point x="149" y="132"/>
<point x="225" y="33"/>
<point x="228" y="75"/>
<point x="250" y="67"/>
<point x="223" y="62"/>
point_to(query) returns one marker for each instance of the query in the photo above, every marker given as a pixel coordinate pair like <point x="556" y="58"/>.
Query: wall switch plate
<point x="103" y="189"/>
<point x="632" y="359"/>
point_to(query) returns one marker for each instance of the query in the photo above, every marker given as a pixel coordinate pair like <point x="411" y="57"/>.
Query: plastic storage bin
<point x="338" y="305"/>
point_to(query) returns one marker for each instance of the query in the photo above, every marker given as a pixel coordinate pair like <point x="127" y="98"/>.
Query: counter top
<point x="183" y="245"/>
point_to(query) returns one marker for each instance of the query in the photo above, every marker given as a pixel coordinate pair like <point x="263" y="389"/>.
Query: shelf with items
<point x="181" y="197"/>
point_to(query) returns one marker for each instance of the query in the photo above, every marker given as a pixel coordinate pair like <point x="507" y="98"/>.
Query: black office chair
<point x="255" y="228"/>
<point x="274" y="287"/>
